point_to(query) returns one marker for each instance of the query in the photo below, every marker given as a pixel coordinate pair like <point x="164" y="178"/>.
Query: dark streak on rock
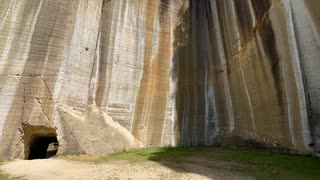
<point x="163" y="10"/>
<point x="224" y="34"/>
<point x="260" y="8"/>
<point x="245" y="21"/>
<point x="269" y="44"/>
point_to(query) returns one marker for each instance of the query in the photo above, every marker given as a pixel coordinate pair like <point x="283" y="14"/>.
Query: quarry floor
<point x="52" y="169"/>
<point x="167" y="163"/>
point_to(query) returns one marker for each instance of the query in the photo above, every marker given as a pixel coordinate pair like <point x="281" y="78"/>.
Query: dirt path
<point x="52" y="169"/>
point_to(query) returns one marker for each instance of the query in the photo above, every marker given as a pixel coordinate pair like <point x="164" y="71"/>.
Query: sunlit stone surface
<point x="110" y="75"/>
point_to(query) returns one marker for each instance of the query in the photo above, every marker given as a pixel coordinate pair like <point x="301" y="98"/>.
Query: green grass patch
<point x="155" y="154"/>
<point x="269" y="165"/>
<point x="2" y="176"/>
<point x="260" y="164"/>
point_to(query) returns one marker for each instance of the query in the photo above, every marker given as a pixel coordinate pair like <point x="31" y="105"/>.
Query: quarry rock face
<point x="101" y="76"/>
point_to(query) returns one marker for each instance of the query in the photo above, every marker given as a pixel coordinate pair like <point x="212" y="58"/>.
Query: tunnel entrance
<point x="43" y="147"/>
<point x="40" y="142"/>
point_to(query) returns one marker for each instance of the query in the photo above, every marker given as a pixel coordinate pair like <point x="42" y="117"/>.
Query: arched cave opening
<point x="40" y="142"/>
<point x="43" y="147"/>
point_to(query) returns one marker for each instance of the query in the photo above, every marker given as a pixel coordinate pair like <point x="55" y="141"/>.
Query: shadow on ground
<point x="221" y="162"/>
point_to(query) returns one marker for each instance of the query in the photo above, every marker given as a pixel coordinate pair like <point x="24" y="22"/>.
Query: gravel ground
<point x="66" y="169"/>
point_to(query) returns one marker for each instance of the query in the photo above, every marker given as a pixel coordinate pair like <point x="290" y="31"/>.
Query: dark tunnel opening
<point x="43" y="147"/>
<point x="40" y="142"/>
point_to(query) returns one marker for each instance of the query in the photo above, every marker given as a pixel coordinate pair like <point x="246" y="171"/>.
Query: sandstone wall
<point x="110" y="75"/>
<point x="48" y="53"/>
<point x="133" y="64"/>
<point x="266" y="71"/>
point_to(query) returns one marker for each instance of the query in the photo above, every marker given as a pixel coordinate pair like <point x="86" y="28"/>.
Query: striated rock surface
<point x="108" y="75"/>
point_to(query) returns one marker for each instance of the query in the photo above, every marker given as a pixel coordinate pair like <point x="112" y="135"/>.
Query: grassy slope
<point x="2" y="176"/>
<point x="262" y="165"/>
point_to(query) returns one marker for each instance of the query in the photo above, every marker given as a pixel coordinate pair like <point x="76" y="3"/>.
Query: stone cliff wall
<point x="109" y="75"/>
<point x="263" y="89"/>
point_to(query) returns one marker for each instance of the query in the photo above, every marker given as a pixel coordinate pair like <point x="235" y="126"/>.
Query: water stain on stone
<point x="260" y="8"/>
<point x="269" y="44"/>
<point x="163" y="10"/>
<point x="245" y="22"/>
